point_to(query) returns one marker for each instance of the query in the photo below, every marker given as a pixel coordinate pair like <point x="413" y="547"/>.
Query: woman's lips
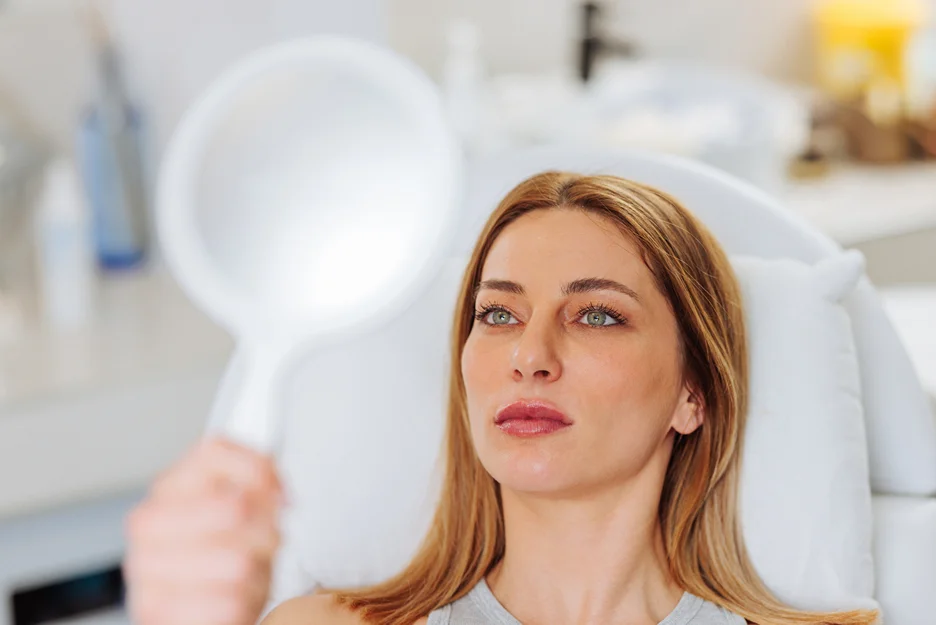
<point x="530" y="427"/>
<point x="526" y="419"/>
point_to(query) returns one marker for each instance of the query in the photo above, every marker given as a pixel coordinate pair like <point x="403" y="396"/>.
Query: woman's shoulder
<point x="318" y="609"/>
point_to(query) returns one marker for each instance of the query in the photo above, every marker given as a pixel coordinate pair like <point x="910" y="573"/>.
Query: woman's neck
<point x="598" y="559"/>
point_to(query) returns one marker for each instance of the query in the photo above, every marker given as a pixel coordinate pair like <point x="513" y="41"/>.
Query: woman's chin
<point x="531" y="470"/>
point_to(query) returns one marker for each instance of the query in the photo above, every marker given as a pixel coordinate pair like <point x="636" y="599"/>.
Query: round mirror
<point x="309" y="192"/>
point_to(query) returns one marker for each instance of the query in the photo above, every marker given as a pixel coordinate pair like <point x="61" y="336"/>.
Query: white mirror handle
<point x="248" y="405"/>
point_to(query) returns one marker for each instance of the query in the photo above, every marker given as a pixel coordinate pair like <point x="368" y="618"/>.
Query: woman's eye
<point x="499" y="317"/>
<point x="599" y="318"/>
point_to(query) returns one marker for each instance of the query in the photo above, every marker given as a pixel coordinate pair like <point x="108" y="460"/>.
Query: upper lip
<point x="530" y="409"/>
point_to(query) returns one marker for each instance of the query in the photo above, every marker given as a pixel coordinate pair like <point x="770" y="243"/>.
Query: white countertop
<point x="856" y="203"/>
<point x="144" y="328"/>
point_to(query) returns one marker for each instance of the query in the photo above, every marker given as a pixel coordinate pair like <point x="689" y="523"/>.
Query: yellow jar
<point x="863" y="42"/>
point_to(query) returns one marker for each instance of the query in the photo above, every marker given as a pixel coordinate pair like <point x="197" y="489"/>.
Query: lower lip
<point x="527" y="428"/>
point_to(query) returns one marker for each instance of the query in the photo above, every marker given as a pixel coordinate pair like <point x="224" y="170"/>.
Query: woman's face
<point x="571" y="319"/>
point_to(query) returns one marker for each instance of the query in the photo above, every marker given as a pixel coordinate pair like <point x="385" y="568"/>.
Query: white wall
<point x="175" y="47"/>
<point x="172" y="49"/>
<point x="769" y="36"/>
<point x="45" y="69"/>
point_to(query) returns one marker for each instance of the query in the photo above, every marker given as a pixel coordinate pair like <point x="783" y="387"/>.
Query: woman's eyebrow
<point x="582" y="285"/>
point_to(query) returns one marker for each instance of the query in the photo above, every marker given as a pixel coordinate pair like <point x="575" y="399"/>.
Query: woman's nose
<point x="534" y="356"/>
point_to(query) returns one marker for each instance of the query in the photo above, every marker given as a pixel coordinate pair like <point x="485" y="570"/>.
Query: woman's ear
<point x="690" y="412"/>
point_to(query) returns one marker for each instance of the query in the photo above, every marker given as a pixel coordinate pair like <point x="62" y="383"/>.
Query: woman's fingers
<point x="201" y="545"/>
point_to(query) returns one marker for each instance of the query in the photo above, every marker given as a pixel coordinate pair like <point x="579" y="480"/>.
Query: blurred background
<point x="107" y="372"/>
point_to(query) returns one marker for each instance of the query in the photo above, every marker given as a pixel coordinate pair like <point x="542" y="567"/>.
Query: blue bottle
<point x="110" y="151"/>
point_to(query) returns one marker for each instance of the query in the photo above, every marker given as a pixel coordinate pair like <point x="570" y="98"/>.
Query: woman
<point x="596" y="412"/>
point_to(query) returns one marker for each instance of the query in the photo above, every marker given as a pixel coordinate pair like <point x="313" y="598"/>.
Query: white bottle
<point x="67" y="275"/>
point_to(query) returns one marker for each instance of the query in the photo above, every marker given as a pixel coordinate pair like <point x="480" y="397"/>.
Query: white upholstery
<point x="361" y="504"/>
<point x="905" y="556"/>
<point x="805" y="465"/>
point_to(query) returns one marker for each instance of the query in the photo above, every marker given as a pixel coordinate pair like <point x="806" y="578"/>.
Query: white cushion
<point x="905" y="558"/>
<point x="805" y="493"/>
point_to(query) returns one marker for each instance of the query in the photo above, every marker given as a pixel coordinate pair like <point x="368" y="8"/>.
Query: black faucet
<point x="593" y="45"/>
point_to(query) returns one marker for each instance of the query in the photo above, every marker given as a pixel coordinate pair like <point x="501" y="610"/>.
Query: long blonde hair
<point x="698" y="509"/>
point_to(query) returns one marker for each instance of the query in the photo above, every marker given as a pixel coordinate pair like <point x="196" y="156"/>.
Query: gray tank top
<point x="480" y="607"/>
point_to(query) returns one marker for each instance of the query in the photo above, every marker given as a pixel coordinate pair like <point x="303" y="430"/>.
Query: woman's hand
<point x="201" y="545"/>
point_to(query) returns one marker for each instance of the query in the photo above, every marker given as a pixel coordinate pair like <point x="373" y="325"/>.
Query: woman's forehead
<point x="559" y="245"/>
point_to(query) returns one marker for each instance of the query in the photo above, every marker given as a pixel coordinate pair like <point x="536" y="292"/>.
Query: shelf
<point x="144" y="329"/>
<point x="858" y="203"/>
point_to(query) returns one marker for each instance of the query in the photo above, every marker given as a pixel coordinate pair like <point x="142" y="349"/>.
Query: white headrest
<point x="900" y="421"/>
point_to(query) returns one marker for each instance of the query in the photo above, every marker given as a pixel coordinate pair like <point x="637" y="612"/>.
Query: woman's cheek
<point x="479" y="371"/>
<point x="469" y="361"/>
